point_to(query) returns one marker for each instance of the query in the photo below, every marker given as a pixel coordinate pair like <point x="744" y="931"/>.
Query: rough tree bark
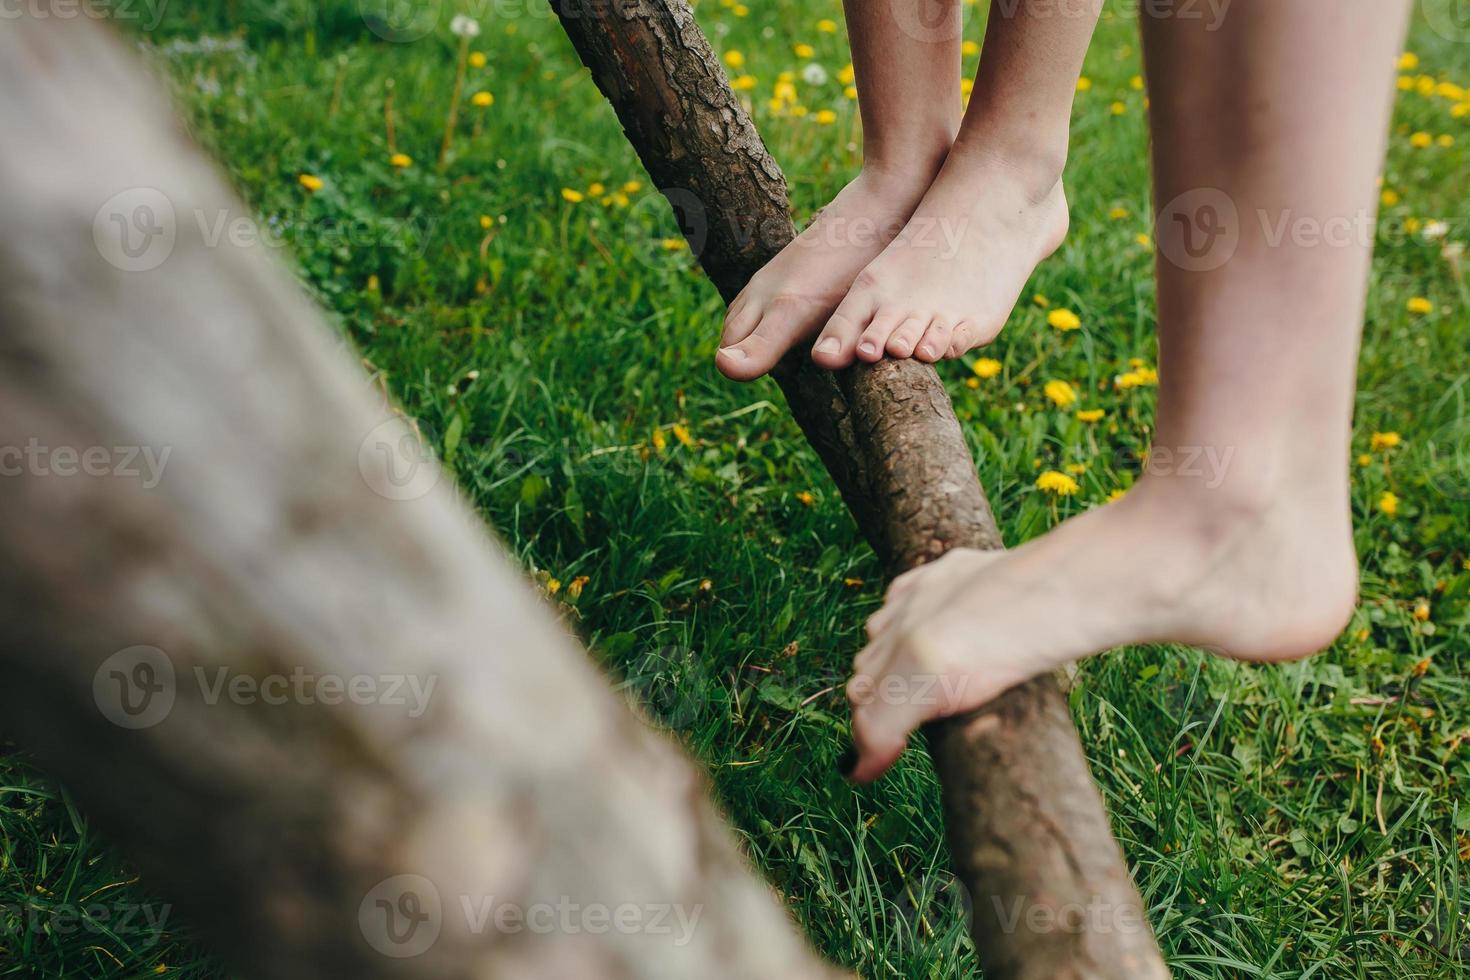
<point x="200" y="488"/>
<point x="1026" y="827"/>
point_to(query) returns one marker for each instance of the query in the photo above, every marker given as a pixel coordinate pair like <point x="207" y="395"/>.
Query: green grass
<point x="1295" y="821"/>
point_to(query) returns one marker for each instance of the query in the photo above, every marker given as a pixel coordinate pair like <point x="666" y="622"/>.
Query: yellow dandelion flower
<point x="400" y="160"/>
<point x="1118" y="108"/>
<point x="972" y="383"/>
<point x="1408" y="61"/>
<point x="1041" y="301"/>
<point x="596" y="189"/>
<point x="827" y="26"/>
<point x="740" y="10"/>
<point x="1136" y="83"/>
<point x="477" y="59"/>
<point x="483" y="100"/>
<point x="619" y="199"/>
<point x="575" y="586"/>
<point x="1424" y="85"/>
<point x="1421" y="612"/>
<point x="486" y="221"/>
<point x="967" y="85"/>
<point x="970" y="48"/>
<point x="799" y="110"/>
<point x="1420" y="140"/>
<point x="673" y="244"/>
<point x="1419" y="305"/>
<point x="1389" y="197"/>
<point x="1118" y="214"/>
<point x="846" y="75"/>
<point x="1063" y="319"/>
<point x="1060" y="393"/>
<point x="804" y="50"/>
<point x="1057" y="482"/>
<point x="659" y="442"/>
<point x="743" y="83"/>
<point x="632" y="186"/>
<point x="1114" y="495"/>
<point x="1460" y="110"/>
<point x="1091" y="415"/>
<point x="806" y="498"/>
<point x="373" y="285"/>
<point x="1405" y="83"/>
<point x="553" y="585"/>
<point x="1449" y="90"/>
<point x="1411" y="225"/>
<point x="735" y="59"/>
<point x="1364" y="459"/>
<point x="1076" y="469"/>
<point x="1084" y="84"/>
<point x="1445" y="140"/>
<point x="1144" y="241"/>
<point x="1383" y="440"/>
<point x="825" y="117"/>
<point x="572" y="196"/>
<point x="850" y="92"/>
<point x="785" y="92"/>
<point x="986" y="367"/>
<point x="1389" y="503"/>
<point x="311" y="182"/>
<point x="682" y="434"/>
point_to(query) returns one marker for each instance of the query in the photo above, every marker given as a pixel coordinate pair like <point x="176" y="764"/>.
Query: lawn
<point x="532" y="306"/>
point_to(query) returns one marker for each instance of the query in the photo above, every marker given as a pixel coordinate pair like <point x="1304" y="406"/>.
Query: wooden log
<point x="257" y="633"/>
<point x="1027" y="830"/>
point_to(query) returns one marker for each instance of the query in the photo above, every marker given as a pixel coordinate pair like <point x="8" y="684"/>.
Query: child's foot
<point x="794" y="294"/>
<point x="1264" y="578"/>
<point x="948" y="283"/>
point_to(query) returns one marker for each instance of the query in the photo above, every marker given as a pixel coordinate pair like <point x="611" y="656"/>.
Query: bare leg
<point x="906" y="56"/>
<point x="1268" y="132"/>
<point x="949" y="281"/>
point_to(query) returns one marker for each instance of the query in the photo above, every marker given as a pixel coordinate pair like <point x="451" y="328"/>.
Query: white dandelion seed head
<point x="464" y="26"/>
<point x="814" y="74"/>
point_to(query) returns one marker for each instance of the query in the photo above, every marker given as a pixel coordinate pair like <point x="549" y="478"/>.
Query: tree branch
<point x="1026" y="826"/>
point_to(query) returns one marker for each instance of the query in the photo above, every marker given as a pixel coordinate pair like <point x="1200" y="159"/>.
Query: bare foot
<point x="1265" y="579"/>
<point x="794" y="294"/>
<point x="948" y="282"/>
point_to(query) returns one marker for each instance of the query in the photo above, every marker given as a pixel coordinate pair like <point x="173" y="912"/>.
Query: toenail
<point x="829" y="346"/>
<point x="867" y="347"/>
<point x="733" y="353"/>
<point x="927" y="351"/>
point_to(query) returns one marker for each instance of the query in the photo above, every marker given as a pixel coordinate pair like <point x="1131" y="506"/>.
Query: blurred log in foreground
<point x="260" y="638"/>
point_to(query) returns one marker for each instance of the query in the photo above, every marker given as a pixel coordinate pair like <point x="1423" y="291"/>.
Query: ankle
<point x="1036" y="163"/>
<point x="915" y="160"/>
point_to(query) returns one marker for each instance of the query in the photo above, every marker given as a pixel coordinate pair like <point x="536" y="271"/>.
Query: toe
<point x="905" y="337"/>
<point x="838" y="340"/>
<point x="740" y="319"/>
<point x="965" y="337"/>
<point x="935" y="342"/>
<point x="756" y="354"/>
<point x="875" y="338"/>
